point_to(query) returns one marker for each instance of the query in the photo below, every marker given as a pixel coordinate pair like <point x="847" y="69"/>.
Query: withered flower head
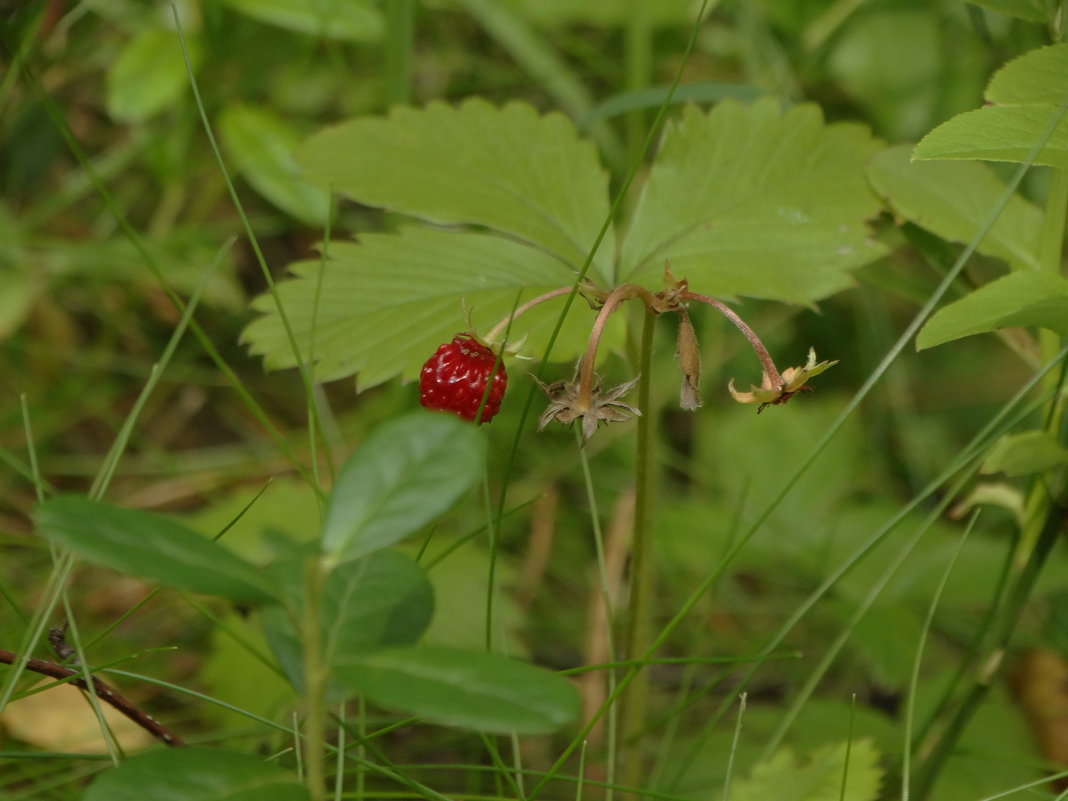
<point x="566" y="406"/>
<point x="793" y="381"/>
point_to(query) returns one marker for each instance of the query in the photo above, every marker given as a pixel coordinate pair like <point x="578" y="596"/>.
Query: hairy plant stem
<point x="499" y="329"/>
<point x="641" y="607"/>
<point x="315" y="679"/>
<point x="616" y="297"/>
<point x="758" y="347"/>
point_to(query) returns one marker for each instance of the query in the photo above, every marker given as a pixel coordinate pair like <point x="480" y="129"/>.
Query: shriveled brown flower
<point x="566" y="406"/>
<point x="793" y="381"/>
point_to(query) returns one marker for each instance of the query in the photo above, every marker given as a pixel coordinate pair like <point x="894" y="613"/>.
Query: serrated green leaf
<point x="471" y="689"/>
<point x="403" y="476"/>
<point x="507" y="168"/>
<point x="1024" y="454"/>
<point x="1039" y="77"/>
<point x="1028" y="298"/>
<point x="262" y="145"/>
<point x="1032" y="10"/>
<point x="386" y="304"/>
<point x="998" y="133"/>
<point x="783" y="778"/>
<point x="952" y="199"/>
<point x="347" y="20"/>
<point x="149" y="74"/>
<point x="196" y="774"/>
<point x="150" y="546"/>
<point x="754" y="201"/>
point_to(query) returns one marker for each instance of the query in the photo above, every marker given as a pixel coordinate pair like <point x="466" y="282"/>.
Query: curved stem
<point x="762" y="353"/>
<point x="495" y="332"/>
<point x="616" y="297"/>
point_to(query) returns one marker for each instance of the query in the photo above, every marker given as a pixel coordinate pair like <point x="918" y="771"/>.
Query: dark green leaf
<point x="150" y="546"/>
<point x="381" y="599"/>
<point x="1027" y="298"/>
<point x="470" y="689"/>
<point x="196" y="774"/>
<point x="754" y="201"/>
<point x="403" y="476"/>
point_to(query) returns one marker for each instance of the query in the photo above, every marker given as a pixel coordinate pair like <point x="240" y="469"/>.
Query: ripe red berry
<point x="454" y="379"/>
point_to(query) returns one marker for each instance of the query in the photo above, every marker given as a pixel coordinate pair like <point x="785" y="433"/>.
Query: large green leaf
<point x="1027" y="94"/>
<point x="348" y="20"/>
<point x="952" y="199"/>
<point x="149" y="74"/>
<point x="261" y="144"/>
<point x="1028" y="298"/>
<point x="754" y="201"/>
<point x="379" y="600"/>
<point x="196" y="774"/>
<point x="507" y="168"/>
<point x="380" y="308"/>
<point x="403" y="476"/>
<point x="471" y="689"/>
<point x="150" y="546"/>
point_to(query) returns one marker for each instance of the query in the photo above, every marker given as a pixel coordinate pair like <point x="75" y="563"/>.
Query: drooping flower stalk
<point x="772" y="372"/>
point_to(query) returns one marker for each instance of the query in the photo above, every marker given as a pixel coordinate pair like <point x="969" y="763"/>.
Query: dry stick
<point x="104" y="691"/>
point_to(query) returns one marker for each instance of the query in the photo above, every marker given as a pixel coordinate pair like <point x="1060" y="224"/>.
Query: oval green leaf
<point x="1026" y="298"/>
<point x="403" y="476"/>
<point x="149" y="74"/>
<point x="953" y="198"/>
<point x="196" y="774"/>
<point x="475" y="690"/>
<point x="382" y="599"/>
<point x="1024" y="454"/>
<point x="150" y="546"/>
<point x="262" y="145"/>
<point x="347" y="20"/>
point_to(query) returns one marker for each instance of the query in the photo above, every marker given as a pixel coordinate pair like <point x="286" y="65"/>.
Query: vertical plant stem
<point x="400" y="33"/>
<point x="638" y="56"/>
<point x="640" y="611"/>
<point x="315" y="678"/>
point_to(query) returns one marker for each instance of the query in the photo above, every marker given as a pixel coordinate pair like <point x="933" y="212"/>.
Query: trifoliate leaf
<point x="754" y="201"/>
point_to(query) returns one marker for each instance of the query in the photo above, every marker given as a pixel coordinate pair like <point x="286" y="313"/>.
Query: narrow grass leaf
<point x="952" y="199"/>
<point x="196" y="774"/>
<point x="755" y="201"/>
<point x="403" y="476"/>
<point x="470" y="689"/>
<point x="150" y="546"/>
<point x="1021" y="299"/>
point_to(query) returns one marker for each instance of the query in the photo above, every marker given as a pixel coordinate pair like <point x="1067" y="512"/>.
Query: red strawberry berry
<point x="454" y="379"/>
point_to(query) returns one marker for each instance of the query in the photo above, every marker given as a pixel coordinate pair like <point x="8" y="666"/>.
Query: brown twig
<point x="104" y="691"/>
